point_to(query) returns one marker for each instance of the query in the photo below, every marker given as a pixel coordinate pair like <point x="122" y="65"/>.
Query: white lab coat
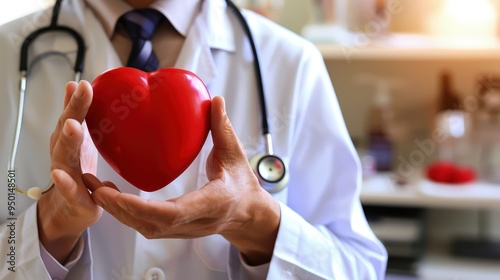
<point x="323" y="233"/>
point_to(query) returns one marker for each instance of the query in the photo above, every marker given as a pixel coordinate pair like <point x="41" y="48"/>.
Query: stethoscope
<point x="269" y="168"/>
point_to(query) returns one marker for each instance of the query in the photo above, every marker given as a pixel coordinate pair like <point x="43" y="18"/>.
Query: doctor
<point x="224" y="226"/>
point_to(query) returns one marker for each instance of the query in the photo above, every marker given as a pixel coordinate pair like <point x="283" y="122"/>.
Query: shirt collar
<point x="109" y="11"/>
<point x="180" y="13"/>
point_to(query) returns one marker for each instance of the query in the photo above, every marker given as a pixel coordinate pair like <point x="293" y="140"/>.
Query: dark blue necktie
<point x="141" y="25"/>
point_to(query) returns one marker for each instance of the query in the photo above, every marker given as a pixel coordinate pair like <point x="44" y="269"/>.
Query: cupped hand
<point x="232" y="203"/>
<point x="67" y="209"/>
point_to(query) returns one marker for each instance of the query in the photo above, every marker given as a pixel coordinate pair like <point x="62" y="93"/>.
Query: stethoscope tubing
<point x="80" y="56"/>
<point x="258" y="76"/>
<point x="36" y="192"/>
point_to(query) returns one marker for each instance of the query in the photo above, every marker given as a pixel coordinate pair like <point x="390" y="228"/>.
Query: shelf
<point x="352" y="53"/>
<point x="381" y="190"/>
<point x="355" y="47"/>
<point x="437" y="263"/>
<point x="442" y="266"/>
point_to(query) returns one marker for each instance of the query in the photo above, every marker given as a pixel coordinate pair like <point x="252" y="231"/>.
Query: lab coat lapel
<point x="196" y="55"/>
<point x="211" y="30"/>
<point x="101" y="55"/>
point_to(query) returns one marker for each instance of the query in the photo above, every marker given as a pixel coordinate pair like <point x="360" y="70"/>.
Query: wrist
<point x="57" y="236"/>
<point x="256" y="233"/>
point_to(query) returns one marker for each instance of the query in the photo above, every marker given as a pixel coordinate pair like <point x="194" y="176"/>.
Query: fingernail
<point x="66" y="129"/>
<point x="223" y="105"/>
<point x="79" y="90"/>
<point x="54" y="177"/>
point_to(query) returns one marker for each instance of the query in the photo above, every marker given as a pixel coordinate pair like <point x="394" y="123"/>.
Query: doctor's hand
<point x="232" y="204"/>
<point x="66" y="210"/>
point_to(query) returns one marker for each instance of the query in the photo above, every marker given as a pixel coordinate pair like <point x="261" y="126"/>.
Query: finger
<point x="142" y="208"/>
<point x="70" y="89"/>
<point x="93" y="183"/>
<point x="107" y="198"/>
<point x="211" y="201"/>
<point x="144" y="216"/>
<point x="138" y="209"/>
<point x="67" y="149"/>
<point x="148" y="216"/>
<point x="223" y="134"/>
<point x="104" y="196"/>
<point x="78" y="104"/>
<point x="203" y="203"/>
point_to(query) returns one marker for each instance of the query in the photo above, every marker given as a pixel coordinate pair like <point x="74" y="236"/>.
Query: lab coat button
<point x="155" y="273"/>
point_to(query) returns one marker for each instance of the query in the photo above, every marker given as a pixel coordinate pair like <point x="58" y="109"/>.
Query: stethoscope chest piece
<point x="271" y="171"/>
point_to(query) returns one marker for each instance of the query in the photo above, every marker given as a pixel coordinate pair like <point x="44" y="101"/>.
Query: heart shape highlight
<point x="149" y="127"/>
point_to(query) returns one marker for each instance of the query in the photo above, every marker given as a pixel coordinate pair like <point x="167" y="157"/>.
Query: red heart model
<point x="149" y="127"/>
<point x="450" y="173"/>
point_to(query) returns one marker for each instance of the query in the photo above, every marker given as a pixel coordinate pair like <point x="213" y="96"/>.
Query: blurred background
<point x="419" y="87"/>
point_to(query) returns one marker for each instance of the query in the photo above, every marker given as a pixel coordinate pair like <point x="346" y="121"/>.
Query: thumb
<point x="65" y="184"/>
<point x="223" y="134"/>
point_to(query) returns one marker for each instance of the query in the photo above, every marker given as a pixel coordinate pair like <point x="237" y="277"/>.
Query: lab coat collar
<point x="108" y="12"/>
<point x="211" y="30"/>
<point x="218" y="25"/>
